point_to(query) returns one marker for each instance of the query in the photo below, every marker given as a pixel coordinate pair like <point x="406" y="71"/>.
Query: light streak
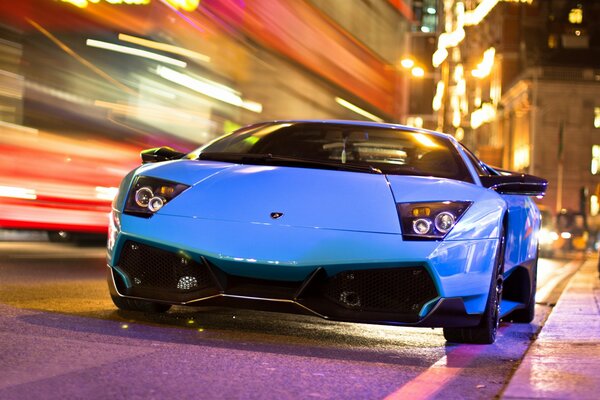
<point x="82" y="60"/>
<point x="17" y="192"/>
<point x="186" y="5"/>
<point x="164" y="47"/>
<point x="135" y="52"/>
<point x="356" y="109"/>
<point x="106" y="193"/>
<point x="209" y="88"/>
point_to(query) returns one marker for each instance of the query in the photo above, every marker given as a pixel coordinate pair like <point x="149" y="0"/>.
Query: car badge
<point x="276" y="215"/>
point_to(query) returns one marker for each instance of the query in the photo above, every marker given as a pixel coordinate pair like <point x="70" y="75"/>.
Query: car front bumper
<point x="339" y="275"/>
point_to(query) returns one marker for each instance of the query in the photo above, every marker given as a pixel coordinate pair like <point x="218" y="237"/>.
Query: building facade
<point x="521" y="88"/>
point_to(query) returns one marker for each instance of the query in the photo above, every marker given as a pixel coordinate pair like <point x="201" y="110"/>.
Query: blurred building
<point x="521" y="87"/>
<point x="86" y="84"/>
<point x="422" y="44"/>
<point x="191" y="70"/>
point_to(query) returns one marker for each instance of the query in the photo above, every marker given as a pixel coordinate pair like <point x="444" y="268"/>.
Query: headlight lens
<point x="148" y="195"/>
<point x="142" y="196"/>
<point x="431" y="220"/>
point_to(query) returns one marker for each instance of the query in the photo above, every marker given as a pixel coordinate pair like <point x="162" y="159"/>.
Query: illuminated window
<point x="417" y="122"/>
<point x="595" y="159"/>
<point x="594" y="205"/>
<point x="596" y="117"/>
<point x="521" y="157"/>
<point x="576" y="16"/>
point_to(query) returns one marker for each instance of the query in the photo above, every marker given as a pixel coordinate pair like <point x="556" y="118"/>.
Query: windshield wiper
<point x="286" y="160"/>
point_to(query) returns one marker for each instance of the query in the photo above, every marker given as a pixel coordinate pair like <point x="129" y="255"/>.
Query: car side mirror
<point x="159" y="154"/>
<point x="521" y="184"/>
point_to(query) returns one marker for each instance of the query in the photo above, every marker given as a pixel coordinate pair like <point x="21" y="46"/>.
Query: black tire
<point x="485" y="332"/>
<point x="139" y="305"/>
<point x="526" y="315"/>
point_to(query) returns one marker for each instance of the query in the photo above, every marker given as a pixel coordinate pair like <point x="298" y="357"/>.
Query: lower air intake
<point x="402" y="290"/>
<point x="151" y="268"/>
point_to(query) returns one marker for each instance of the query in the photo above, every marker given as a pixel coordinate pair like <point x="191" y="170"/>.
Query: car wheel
<point x="485" y="332"/>
<point x="139" y="305"/>
<point x="526" y="315"/>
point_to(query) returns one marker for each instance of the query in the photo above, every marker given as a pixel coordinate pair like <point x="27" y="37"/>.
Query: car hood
<point x="305" y="197"/>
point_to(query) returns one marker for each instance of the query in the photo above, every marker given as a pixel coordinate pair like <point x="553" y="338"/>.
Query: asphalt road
<point x="61" y="337"/>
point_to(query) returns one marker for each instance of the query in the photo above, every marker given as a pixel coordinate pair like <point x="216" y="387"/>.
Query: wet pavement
<point x="61" y="337"/>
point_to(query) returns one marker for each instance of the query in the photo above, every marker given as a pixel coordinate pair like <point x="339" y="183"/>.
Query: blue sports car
<point x="349" y="221"/>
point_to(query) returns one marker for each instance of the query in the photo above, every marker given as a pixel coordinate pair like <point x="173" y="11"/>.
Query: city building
<point x="192" y="70"/>
<point x="521" y="87"/>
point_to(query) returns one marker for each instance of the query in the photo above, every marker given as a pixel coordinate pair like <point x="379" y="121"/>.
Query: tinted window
<point x="481" y="171"/>
<point x="393" y="151"/>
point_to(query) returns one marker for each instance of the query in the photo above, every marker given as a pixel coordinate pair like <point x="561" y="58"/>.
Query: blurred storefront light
<point x="186" y="5"/>
<point x="209" y="88"/>
<point x="417" y="72"/>
<point x="576" y="15"/>
<point x="475" y="16"/>
<point x="459" y="134"/>
<point x="135" y="52"/>
<point x="356" y="109"/>
<point x="17" y="192"/>
<point x="450" y="38"/>
<point x="521" y="157"/>
<point x="486" y="113"/>
<point x="85" y="3"/>
<point x="106" y="193"/>
<point x="439" y="96"/>
<point x="594" y="205"/>
<point x="417" y="122"/>
<point x="407" y="63"/>
<point x="485" y="66"/>
<point x="595" y="165"/>
<point x="164" y="47"/>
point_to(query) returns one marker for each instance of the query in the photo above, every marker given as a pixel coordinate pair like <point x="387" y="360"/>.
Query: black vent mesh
<point x="399" y="290"/>
<point x="152" y="268"/>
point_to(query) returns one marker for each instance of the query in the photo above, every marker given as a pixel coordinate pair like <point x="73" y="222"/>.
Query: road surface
<point x="61" y="337"/>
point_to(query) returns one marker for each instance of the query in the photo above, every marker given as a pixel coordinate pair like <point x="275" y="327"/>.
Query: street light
<point x="407" y="63"/>
<point x="417" y="72"/>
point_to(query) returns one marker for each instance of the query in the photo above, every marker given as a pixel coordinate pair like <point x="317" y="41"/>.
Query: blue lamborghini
<point x="349" y="221"/>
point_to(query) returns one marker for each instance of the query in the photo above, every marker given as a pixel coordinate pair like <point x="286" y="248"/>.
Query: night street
<point x="63" y="338"/>
<point x="300" y="199"/>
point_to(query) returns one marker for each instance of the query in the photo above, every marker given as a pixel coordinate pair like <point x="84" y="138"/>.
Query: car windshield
<point x="346" y="147"/>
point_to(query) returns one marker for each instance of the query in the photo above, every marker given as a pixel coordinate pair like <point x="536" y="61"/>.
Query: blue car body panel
<point x="333" y="220"/>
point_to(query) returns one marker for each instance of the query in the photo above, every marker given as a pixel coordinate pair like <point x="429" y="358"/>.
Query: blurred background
<point x="86" y="84"/>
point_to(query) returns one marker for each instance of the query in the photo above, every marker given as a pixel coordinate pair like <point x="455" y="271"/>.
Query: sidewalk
<point x="564" y="361"/>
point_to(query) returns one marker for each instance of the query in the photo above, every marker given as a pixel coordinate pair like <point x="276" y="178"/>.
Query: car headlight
<point x="148" y="195"/>
<point x="430" y="220"/>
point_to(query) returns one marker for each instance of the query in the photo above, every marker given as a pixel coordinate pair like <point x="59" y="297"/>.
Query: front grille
<point x="151" y="268"/>
<point x="392" y="294"/>
<point x="402" y="290"/>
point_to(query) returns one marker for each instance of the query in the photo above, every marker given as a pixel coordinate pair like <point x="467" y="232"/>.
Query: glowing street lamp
<point x="417" y="72"/>
<point x="407" y="63"/>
